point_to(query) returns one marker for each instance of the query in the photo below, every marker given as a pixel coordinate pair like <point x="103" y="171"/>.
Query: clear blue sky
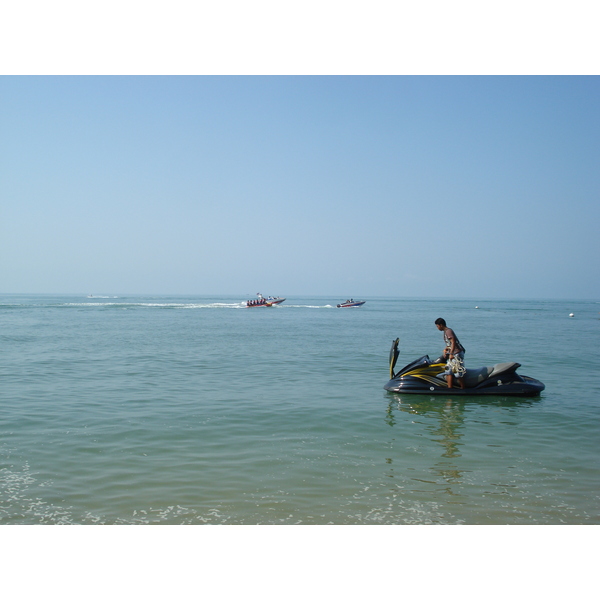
<point x="478" y="187"/>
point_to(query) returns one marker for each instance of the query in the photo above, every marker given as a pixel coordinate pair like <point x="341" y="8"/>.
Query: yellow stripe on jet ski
<point x="428" y="374"/>
<point x="430" y="370"/>
<point x="432" y="380"/>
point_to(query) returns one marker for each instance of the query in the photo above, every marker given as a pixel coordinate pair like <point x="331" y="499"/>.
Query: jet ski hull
<point x="527" y="386"/>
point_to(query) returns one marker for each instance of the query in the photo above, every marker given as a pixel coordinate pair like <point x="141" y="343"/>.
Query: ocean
<point x="198" y="410"/>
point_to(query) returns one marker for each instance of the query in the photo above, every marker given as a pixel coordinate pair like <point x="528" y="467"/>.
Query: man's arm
<point x="452" y="339"/>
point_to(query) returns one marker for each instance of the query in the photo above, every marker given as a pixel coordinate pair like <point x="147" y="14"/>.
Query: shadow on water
<point x="450" y="415"/>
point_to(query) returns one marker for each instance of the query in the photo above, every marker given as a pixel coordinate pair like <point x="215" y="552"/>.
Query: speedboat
<point x="350" y="303"/>
<point x="262" y="301"/>
<point x="424" y="376"/>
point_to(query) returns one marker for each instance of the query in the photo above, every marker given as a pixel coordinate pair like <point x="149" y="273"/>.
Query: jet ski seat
<point x="474" y="377"/>
<point x="507" y="367"/>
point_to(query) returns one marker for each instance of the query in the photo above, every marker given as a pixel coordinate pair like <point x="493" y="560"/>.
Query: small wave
<point x="309" y="306"/>
<point x="19" y="504"/>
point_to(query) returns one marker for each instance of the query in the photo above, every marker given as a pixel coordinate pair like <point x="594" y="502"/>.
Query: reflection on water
<point x="450" y="416"/>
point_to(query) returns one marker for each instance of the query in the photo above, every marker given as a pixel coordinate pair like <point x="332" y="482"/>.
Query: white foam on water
<point x="309" y="306"/>
<point x="19" y="505"/>
<point x="176" y="305"/>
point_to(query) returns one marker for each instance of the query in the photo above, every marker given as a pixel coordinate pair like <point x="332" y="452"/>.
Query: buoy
<point x="477" y="307"/>
<point x="571" y="315"/>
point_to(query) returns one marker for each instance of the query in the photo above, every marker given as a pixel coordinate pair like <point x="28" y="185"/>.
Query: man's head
<point x="440" y="324"/>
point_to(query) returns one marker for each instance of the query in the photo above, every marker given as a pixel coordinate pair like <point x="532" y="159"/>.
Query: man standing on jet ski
<point x="454" y="353"/>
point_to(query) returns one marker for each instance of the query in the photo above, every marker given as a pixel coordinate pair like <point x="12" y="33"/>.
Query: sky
<point x="314" y="150"/>
<point x="441" y="186"/>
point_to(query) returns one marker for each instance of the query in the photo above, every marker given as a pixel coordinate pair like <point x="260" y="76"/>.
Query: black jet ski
<point x="424" y="376"/>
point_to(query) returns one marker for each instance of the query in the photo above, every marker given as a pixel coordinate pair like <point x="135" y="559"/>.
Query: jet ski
<point x="424" y="376"/>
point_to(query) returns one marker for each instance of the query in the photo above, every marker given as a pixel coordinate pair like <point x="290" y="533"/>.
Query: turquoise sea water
<point x="192" y="410"/>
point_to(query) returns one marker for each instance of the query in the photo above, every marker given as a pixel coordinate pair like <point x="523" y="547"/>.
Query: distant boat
<point x="350" y="303"/>
<point x="256" y="303"/>
<point x="262" y="301"/>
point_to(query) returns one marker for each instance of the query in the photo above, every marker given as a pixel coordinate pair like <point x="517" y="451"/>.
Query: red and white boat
<point x="350" y="303"/>
<point x="262" y="301"/>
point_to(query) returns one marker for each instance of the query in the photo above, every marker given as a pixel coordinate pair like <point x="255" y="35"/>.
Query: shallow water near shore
<point x="193" y="410"/>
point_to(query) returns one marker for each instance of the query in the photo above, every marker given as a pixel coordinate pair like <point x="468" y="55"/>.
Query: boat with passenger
<point x="350" y="303"/>
<point x="262" y="301"/>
